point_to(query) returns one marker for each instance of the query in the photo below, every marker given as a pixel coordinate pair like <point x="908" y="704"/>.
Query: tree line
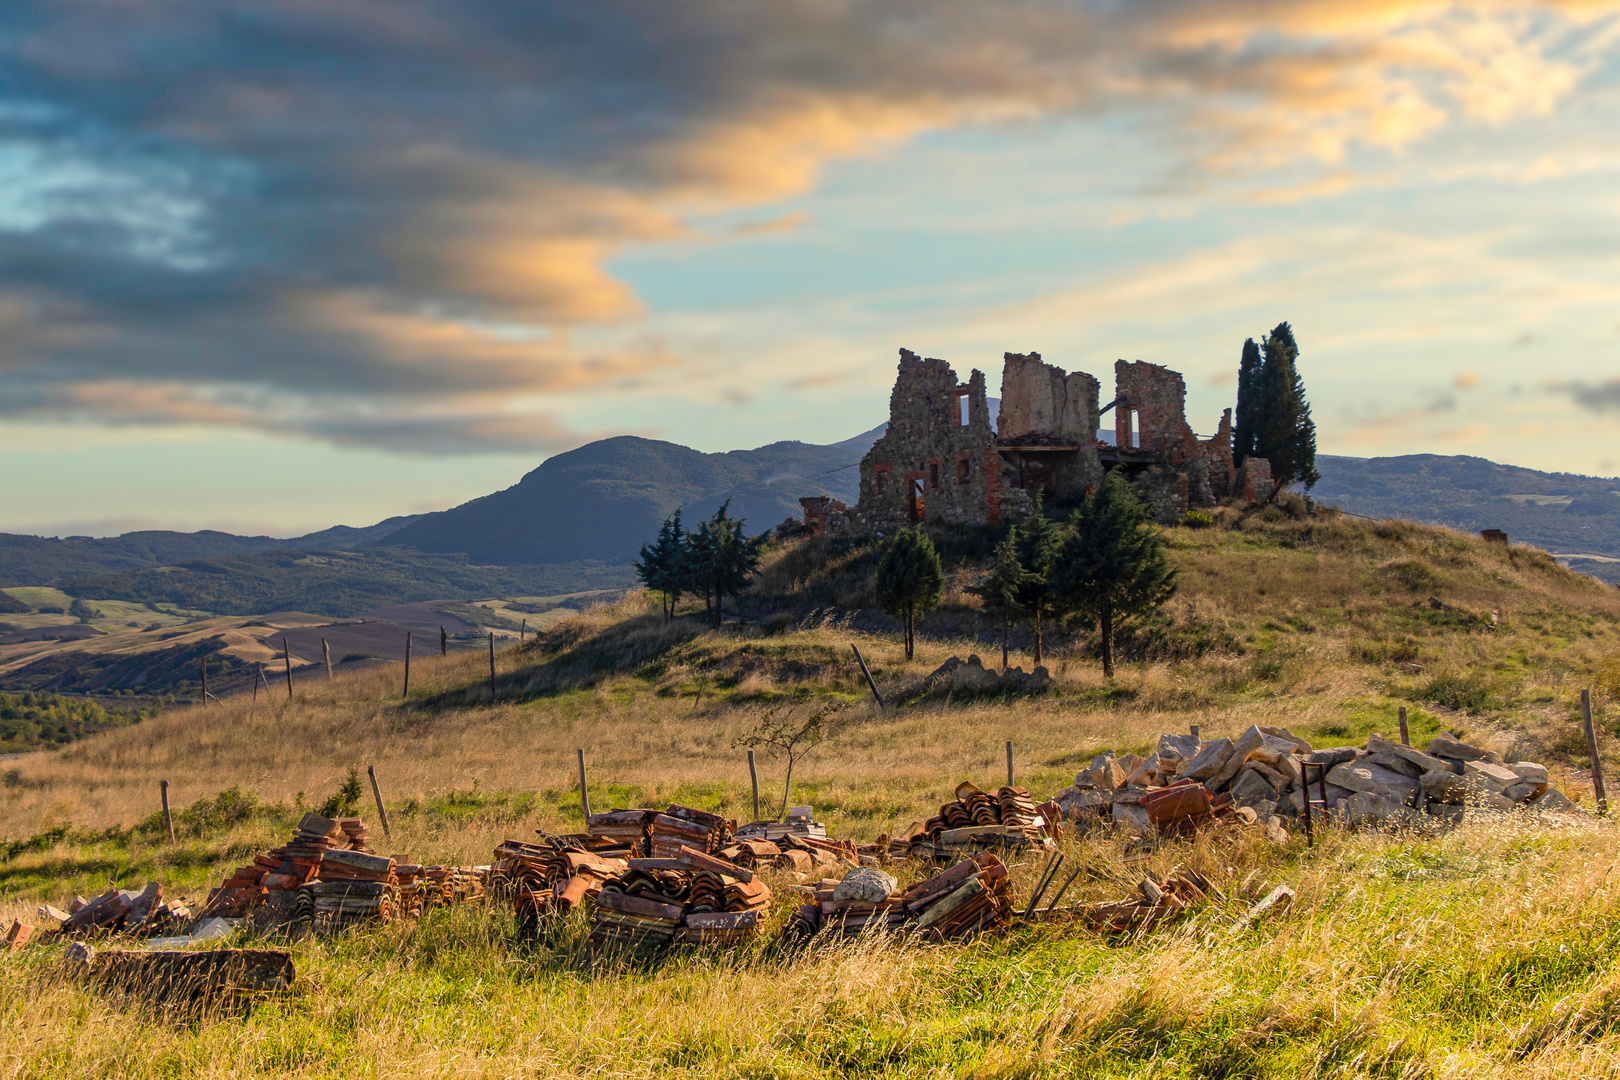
<point x="714" y="561"/>
<point x="1102" y="565"/>
<point x="1273" y="418"/>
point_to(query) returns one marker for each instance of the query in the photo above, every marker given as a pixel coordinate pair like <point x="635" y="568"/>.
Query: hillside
<point x="1400" y="955"/>
<point x="606" y="499"/>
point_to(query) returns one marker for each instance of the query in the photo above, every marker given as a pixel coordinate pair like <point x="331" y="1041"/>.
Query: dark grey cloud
<point x="298" y="214"/>
<point x="1599" y="397"/>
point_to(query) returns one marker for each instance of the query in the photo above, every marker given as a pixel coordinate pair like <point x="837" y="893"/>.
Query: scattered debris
<point x="1157" y="901"/>
<point x="1275" y="902"/>
<point x="18" y="935"/>
<point x="973" y="896"/>
<point x="1188" y="783"/>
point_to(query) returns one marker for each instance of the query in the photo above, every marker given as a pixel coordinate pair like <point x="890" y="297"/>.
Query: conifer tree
<point x="999" y="591"/>
<point x="909" y="579"/>
<point x="1112" y="566"/>
<point x="1037" y="541"/>
<point x="1287" y="437"/>
<point x="1250" y="406"/>
<point x="723" y="558"/>
<point x="662" y="564"/>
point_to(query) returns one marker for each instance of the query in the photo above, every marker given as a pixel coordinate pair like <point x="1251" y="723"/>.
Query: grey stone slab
<point x="1447" y="746"/>
<point x="1425" y="762"/>
<point x="1488" y="776"/>
<point x="1250" y="787"/>
<point x="1362" y="775"/>
<point x="1334" y="755"/>
<point x="1178" y="747"/>
<point x="1210" y="760"/>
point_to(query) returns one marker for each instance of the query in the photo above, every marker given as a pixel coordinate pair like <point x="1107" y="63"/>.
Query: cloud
<point x="1465" y="380"/>
<point x="394" y="222"/>
<point x="1599" y="397"/>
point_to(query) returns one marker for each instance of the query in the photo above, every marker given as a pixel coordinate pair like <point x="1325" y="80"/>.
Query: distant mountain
<point x="41" y="560"/>
<point x="606" y="499"/>
<point x="1565" y="513"/>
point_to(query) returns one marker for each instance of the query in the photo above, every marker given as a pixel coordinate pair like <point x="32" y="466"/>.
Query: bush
<point x="1466" y="693"/>
<point x="1197" y="519"/>
<point x="346" y="799"/>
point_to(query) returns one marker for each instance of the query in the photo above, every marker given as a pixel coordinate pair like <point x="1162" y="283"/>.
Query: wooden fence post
<point x="376" y="793"/>
<point x="326" y="654"/>
<point x="168" y="819"/>
<point x="202" y="666"/>
<point x="523" y="631"/>
<point x="286" y="656"/>
<point x="492" y="669"/>
<point x="1592" y="749"/>
<point x="868" y="674"/>
<point x="444" y="642"/>
<point x="584" y="795"/>
<point x="1009" y="764"/>
<point x="753" y="778"/>
<point x="1406" y="736"/>
<point x="1193" y="728"/>
<point x="407" y="691"/>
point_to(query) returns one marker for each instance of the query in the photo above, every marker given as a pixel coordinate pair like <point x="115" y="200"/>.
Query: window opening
<point x="917" y="502"/>
<point x="1136" y="429"/>
<point x="933" y="474"/>
<point x="964" y="410"/>
<point x="964" y="471"/>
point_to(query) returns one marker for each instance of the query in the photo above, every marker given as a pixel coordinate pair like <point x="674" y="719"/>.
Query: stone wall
<point x="930" y="465"/>
<point x="1042" y="405"/>
<point x="1255" y="479"/>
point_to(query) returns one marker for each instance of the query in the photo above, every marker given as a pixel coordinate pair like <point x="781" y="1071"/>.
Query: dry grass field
<point x="1484" y="951"/>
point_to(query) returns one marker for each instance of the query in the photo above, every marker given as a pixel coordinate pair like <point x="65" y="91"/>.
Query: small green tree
<point x="721" y="559"/>
<point x="1113" y="565"/>
<point x="1287" y="436"/>
<point x="785" y="730"/>
<point x="909" y="579"/>
<point x="662" y="566"/>
<point x="999" y="590"/>
<point x="1037" y="542"/>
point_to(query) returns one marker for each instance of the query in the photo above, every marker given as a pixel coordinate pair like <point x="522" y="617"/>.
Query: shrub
<point x="1466" y="693"/>
<point x="1414" y="574"/>
<point x="346" y="799"/>
<point x="1197" y="519"/>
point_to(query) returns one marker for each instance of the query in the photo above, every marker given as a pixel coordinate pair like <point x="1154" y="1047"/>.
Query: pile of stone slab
<point x="692" y="898"/>
<point x="1156" y="901"/>
<point x="800" y="821"/>
<point x="1007" y="820"/>
<point x="141" y="912"/>
<point x="1257" y="779"/>
<point x="972" y="897"/>
<point x="1386" y="782"/>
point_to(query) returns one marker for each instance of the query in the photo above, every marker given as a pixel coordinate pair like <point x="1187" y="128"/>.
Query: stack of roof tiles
<point x="284" y="869"/>
<point x="973" y="896"/>
<point x="554" y="875"/>
<point x="128" y="911"/>
<point x="684" y="826"/>
<point x="849" y="917"/>
<point x="975" y="820"/>
<point x="691" y="898"/>
<point x="353" y="887"/>
<point x="622" y="828"/>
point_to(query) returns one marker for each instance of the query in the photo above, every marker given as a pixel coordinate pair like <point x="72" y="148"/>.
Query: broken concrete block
<point x="1489" y="777"/>
<point x="1278" y="780"/>
<point x="18" y="935"/>
<point x="1443" y="785"/>
<point x="1131" y="818"/>
<point x="1377" y="744"/>
<point x="1177" y="748"/>
<point x="1273" y="751"/>
<point x="1396" y="764"/>
<point x="1144" y="771"/>
<point x="1288" y="736"/>
<point x="1210" y="760"/>
<point x="1250" y="787"/>
<point x="1130" y="794"/>
<point x="1530" y="771"/>
<point x="1374" y="779"/>
<point x="1522" y="792"/>
<point x="1276" y="901"/>
<point x="1337" y="755"/>
<point x="54" y="916"/>
<point x="1244" y="745"/>
<point x="1553" y="801"/>
<point x="1449" y="746"/>
<point x="1366" y="808"/>
<point x="1247" y="815"/>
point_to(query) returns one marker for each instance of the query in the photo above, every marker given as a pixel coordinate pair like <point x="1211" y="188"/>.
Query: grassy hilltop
<point x="1486" y="951"/>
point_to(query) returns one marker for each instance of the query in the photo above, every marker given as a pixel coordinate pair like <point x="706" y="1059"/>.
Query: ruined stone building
<point x="941" y="460"/>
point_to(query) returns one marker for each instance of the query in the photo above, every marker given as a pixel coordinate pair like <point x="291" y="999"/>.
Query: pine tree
<point x="1113" y="565"/>
<point x="1036" y="540"/>
<point x="999" y="590"/>
<point x="909" y="579"/>
<point x="662" y="564"/>
<point x="1287" y="435"/>
<point x="1250" y="404"/>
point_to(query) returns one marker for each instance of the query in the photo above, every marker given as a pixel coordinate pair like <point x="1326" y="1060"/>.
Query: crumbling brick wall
<point x="1255" y="479"/>
<point x="1154" y="398"/>
<point x="930" y="465"/>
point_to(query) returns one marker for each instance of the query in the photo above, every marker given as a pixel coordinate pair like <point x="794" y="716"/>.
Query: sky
<point x="274" y="265"/>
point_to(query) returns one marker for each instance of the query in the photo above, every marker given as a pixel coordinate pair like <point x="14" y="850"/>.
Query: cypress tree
<point x="1112" y="567"/>
<point x="1287" y="434"/>
<point x="1250" y="404"/>
<point x="909" y="579"/>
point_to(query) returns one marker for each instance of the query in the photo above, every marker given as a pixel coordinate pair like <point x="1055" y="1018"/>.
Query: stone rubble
<point x="1256" y="779"/>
